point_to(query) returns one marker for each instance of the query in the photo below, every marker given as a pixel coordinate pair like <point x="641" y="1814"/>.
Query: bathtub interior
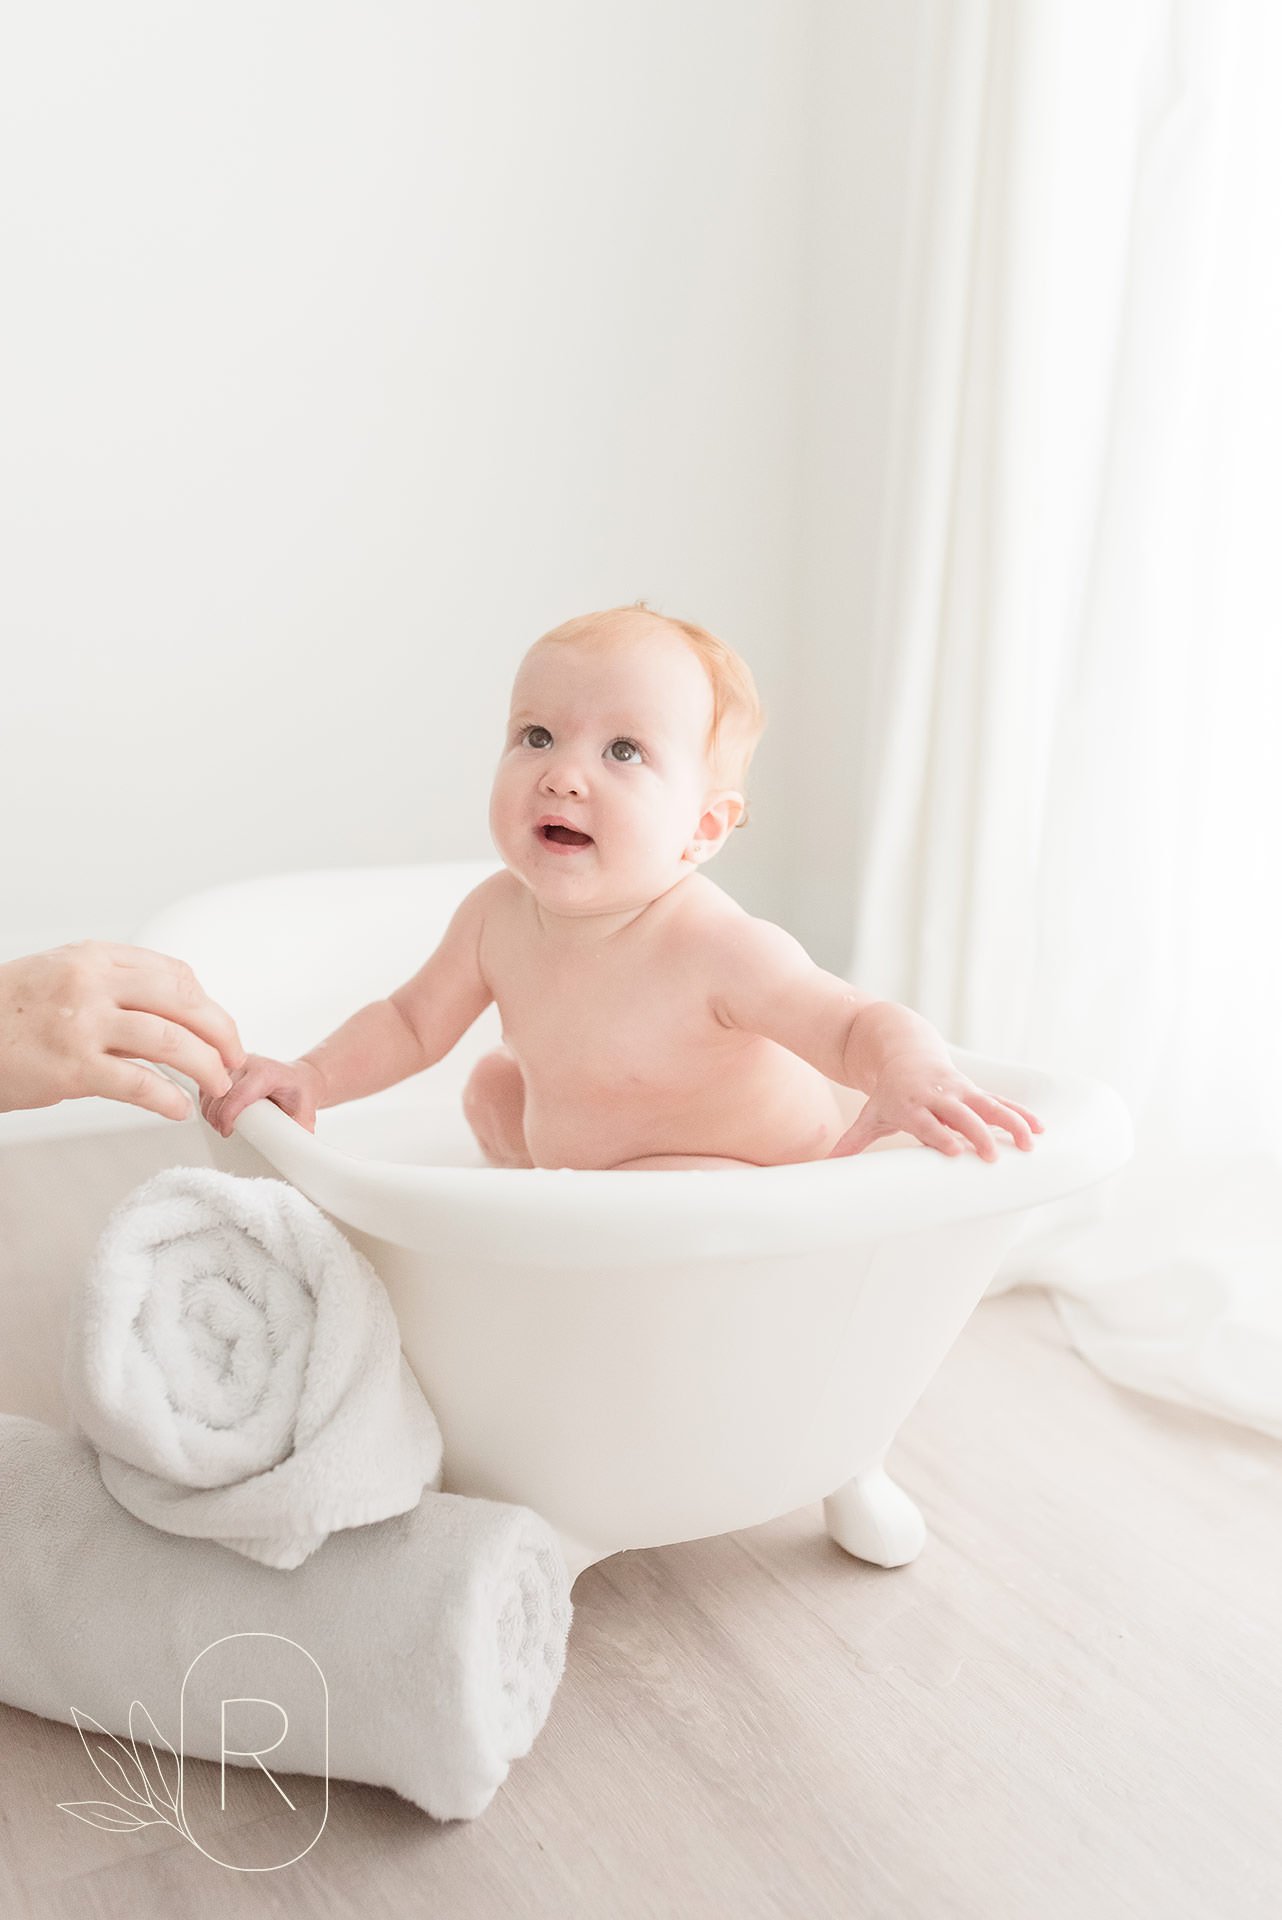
<point x="292" y="956"/>
<point x="420" y="1122"/>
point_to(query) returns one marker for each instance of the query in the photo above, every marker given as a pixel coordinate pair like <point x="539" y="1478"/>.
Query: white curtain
<point x="1073" y="806"/>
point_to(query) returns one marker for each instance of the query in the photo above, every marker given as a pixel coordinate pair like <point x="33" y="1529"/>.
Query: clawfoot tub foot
<point x="874" y="1519"/>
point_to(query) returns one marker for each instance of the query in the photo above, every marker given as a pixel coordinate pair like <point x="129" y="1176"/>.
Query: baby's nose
<point x="563" y="780"/>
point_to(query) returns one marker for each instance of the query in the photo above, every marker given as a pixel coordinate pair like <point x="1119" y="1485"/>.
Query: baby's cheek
<point x="501" y="809"/>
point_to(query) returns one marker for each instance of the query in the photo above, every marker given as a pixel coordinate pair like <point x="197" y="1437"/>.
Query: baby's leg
<point x="493" y="1105"/>
<point x="665" y="1162"/>
<point x="662" y="1162"/>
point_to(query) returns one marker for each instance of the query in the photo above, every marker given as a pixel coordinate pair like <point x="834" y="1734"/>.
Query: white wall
<point x="867" y="89"/>
<point x="347" y="348"/>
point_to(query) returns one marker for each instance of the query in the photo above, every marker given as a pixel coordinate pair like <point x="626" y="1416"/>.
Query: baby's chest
<point x="594" y="1032"/>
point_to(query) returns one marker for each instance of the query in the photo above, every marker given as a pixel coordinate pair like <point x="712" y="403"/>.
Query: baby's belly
<point x="786" y="1113"/>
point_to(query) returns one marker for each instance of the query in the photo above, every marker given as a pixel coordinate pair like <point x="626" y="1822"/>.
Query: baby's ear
<point x="718" y="820"/>
<point x="733" y="806"/>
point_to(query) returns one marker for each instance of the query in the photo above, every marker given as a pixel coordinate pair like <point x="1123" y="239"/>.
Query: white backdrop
<point x="347" y="348"/>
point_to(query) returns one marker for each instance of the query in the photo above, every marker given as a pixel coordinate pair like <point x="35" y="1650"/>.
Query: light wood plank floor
<point x="1068" y="1707"/>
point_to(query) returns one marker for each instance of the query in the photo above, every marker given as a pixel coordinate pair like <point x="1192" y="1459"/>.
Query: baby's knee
<point x="495" y="1078"/>
<point x="493" y="1103"/>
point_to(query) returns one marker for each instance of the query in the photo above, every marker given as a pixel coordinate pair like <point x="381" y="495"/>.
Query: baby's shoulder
<point x="726" y="934"/>
<point x="704" y="919"/>
<point x="497" y="893"/>
<point x="487" y="909"/>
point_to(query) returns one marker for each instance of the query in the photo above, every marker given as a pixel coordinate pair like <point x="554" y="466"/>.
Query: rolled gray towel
<point x="441" y="1633"/>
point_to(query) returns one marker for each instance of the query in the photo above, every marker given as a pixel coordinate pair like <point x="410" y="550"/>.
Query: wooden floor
<point x="1068" y="1707"/>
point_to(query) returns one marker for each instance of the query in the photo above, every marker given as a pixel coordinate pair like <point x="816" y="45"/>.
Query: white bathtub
<point x="640" y="1357"/>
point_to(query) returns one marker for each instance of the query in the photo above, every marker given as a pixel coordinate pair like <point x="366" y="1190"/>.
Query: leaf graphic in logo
<point x="122" y="1769"/>
<point x="113" y="1762"/>
<point x="101" y="1813"/>
<point x="163" y="1780"/>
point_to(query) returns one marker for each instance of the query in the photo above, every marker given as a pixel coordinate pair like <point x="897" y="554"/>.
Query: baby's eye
<point x="536" y="736"/>
<point x="630" y="751"/>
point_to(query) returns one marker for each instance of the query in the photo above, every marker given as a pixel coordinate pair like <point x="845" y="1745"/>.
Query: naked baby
<point x="648" y="1021"/>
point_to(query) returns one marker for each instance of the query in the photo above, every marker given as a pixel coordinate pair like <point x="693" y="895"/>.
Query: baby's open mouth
<point x="566" y="836"/>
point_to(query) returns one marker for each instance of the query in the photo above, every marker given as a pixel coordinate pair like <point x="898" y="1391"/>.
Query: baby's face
<point x="612" y="742"/>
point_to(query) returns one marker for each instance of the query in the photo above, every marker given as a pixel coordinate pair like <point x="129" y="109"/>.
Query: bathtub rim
<point x="606" y="1219"/>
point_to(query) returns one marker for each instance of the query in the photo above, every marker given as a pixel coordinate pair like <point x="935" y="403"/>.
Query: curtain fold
<point x="1072" y="792"/>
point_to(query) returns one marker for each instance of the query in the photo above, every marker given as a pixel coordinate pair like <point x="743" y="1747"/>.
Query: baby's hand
<point x="292" y="1085"/>
<point x="915" y="1094"/>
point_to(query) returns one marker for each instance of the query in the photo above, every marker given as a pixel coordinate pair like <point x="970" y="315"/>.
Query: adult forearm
<point x="881" y="1031"/>
<point x="374" y="1049"/>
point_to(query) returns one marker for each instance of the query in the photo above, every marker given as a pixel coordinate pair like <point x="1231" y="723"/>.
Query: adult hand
<point x="77" y="1020"/>
<point x="917" y="1093"/>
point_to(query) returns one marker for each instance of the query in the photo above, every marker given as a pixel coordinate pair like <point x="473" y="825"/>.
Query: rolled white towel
<point x="237" y="1364"/>
<point x="441" y="1634"/>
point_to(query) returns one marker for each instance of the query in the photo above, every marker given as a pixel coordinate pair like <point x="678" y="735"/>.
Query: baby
<point x="648" y="1021"/>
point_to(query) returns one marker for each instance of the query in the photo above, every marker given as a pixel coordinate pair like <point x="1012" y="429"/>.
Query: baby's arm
<point x="418" y="1023"/>
<point x="383" y="1043"/>
<point x="768" y="984"/>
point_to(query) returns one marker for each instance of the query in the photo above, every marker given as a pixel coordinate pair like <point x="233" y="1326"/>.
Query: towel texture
<point x="237" y="1364"/>
<point x="441" y="1634"/>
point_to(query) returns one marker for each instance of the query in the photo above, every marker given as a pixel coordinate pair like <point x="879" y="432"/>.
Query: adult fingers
<point x="137" y="1086"/>
<point x="148" y="1036"/>
<point x="148" y="982"/>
